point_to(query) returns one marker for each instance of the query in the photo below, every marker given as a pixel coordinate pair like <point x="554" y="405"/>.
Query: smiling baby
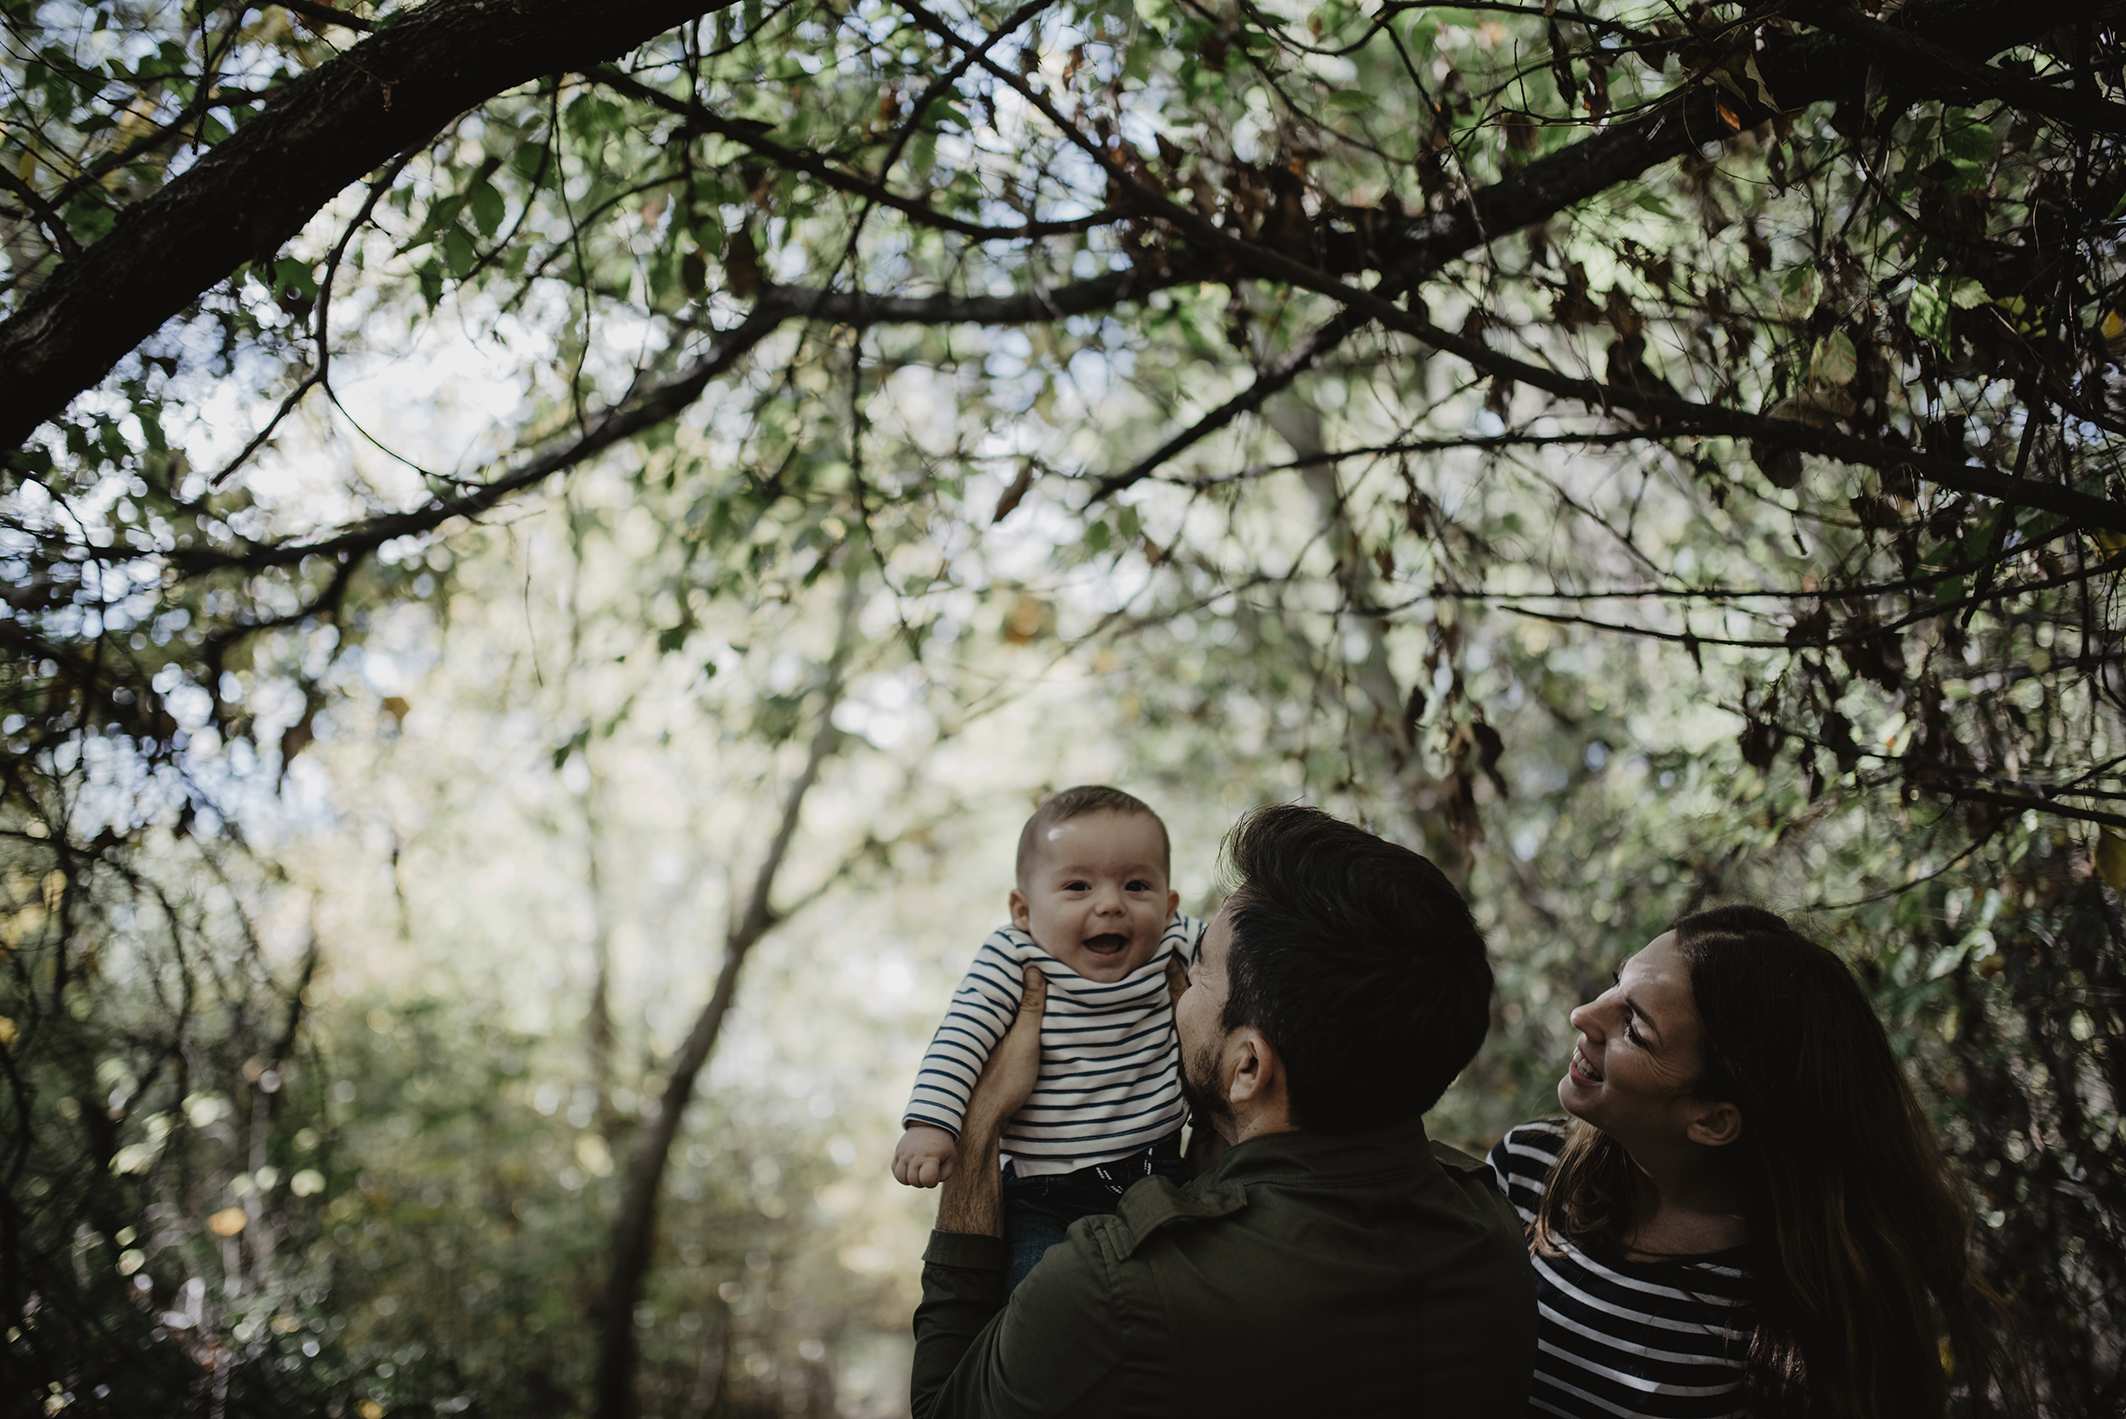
<point x="1094" y="911"/>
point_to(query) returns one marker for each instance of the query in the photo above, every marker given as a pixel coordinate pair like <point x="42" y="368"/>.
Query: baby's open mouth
<point x="1106" y="944"/>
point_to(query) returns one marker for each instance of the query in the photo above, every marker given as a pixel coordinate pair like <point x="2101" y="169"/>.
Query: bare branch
<point x="753" y="135"/>
<point x="326" y="15"/>
<point x="621" y="422"/>
<point x="50" y="222"/>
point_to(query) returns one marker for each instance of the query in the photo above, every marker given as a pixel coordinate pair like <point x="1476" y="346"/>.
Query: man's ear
<point x="1021" y="910"/>
<point x="1254" y="1072"/>
<point x="1715" y="1125"/>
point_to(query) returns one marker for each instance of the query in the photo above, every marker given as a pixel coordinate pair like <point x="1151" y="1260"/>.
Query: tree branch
<point x="50" y="222"/>
<point x="326" y="15"/>
<point x="2041" y="805"/>
<point x="1674" y="414"/>
<point x="1942" y="64"/>
<point x="255" y="189"/>
<point x="618" y="423"/>
<point x="753" y="135"/>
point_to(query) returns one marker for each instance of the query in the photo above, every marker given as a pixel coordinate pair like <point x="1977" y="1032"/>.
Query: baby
<point x="1093" y="911"/>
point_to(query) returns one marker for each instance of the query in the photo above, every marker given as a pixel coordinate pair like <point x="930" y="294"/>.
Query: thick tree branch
<point x="254" y="190"/>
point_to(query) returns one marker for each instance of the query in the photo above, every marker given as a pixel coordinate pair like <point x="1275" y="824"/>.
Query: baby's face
<point x="1095" y="895"/>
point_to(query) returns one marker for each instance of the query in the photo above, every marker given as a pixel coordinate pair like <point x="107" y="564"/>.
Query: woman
<point x="1747" y="1211"/>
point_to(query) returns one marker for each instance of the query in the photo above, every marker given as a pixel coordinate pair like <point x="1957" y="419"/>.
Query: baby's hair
<point x="1076" y="803"/>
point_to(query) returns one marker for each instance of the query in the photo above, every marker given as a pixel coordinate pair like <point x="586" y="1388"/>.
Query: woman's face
<point x="1637" y="1057"/>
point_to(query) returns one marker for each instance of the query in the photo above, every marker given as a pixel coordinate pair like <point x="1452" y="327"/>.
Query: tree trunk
<point x="634" y="1232"/>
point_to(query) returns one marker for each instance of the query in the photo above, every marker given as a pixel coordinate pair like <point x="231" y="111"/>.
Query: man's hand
<point x="923" y="1157"/>
<point x="970" y="1201"/>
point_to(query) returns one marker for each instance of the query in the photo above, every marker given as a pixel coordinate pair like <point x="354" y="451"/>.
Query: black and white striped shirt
<point x="1110" y="1081"/>
<point x="1665" y="1340"/>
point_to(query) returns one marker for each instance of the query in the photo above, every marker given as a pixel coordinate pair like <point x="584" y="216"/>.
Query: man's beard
<point x="1208" y="1105"/>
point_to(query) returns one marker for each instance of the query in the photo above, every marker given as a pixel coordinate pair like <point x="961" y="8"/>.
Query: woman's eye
<point x="1631" y="1032"/>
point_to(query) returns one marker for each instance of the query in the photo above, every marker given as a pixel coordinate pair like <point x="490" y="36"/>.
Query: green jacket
<point x="1377" y="1274"/>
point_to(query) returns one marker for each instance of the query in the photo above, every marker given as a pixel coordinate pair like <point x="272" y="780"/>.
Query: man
<point x="1333" y="1260"/>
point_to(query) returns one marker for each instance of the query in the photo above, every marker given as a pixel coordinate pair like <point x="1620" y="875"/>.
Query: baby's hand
<point x="923" y="1157"/>
<point x="1176" y="980"/>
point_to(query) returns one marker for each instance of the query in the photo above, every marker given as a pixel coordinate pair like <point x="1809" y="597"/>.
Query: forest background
<point x="547" y="550"/>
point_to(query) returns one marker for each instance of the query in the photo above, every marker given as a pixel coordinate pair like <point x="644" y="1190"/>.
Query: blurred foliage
<point x="1635" y="458"/>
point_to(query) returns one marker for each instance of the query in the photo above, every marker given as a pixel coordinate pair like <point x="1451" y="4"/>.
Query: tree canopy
<point x="1413" y="406"/>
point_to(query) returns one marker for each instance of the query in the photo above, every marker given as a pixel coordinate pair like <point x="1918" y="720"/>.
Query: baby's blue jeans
<point x="1039" y="1210"/>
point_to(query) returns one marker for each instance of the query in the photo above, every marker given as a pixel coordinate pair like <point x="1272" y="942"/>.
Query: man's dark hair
<point x="1358" y="960"/>
<point x="1076" y="803"/>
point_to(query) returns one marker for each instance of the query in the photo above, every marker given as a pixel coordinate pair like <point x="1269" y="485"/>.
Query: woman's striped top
<point x="1623" y="1338"/>
<point x="1110" y="1066"/>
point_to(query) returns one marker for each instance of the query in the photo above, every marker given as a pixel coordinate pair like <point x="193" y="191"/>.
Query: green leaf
<point x="922" y="156"/>
<point x="1647" y="200"/>
<point x="486" y="205"/>
<point x="89" y="221"/>
<point x="1351" y="101"/>
<point x="289" y="274"/>
<point x="2111" y="859"/>
<point x="1972" y="141"/>
<point x="1930" y="315"/>
<point x="459" y="254"/>
<point x="1835" y="361"/>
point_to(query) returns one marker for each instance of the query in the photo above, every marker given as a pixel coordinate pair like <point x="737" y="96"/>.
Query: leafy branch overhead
<point x="1426" y="406"/>
<point x="1898" y="240"/>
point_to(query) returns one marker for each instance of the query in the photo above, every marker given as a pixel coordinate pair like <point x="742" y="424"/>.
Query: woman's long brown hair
<point x="1869" y="1304"/>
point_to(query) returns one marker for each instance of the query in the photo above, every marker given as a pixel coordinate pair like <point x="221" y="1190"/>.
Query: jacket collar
<point x="1398" y="1150"/>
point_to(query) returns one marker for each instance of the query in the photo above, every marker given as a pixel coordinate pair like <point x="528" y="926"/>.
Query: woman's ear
<point x="1715" y="1125"/>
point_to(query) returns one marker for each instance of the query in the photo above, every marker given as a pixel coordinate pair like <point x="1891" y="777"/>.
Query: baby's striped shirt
<point x="1110" y="1080"/>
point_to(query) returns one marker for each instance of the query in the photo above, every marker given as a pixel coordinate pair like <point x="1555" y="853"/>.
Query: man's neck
<point x="1240" y="1126"/>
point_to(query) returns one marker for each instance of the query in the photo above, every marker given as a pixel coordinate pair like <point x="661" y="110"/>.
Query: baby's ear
<point x="1021" y="910"/>
<point x="1173" y="901"/>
